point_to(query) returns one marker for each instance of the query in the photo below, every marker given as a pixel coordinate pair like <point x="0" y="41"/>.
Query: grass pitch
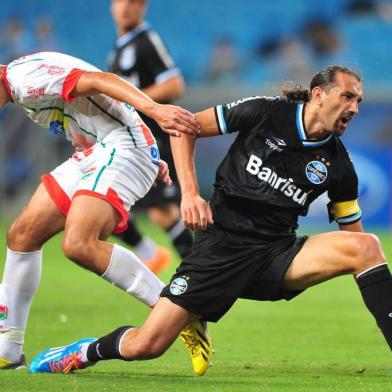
<point x="324" y="340"/>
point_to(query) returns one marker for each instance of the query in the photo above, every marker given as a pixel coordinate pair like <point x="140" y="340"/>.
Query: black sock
<point x="131" y="236"/>
<point x="376" y="289"/>
<point x="181" y="237"/>
<point x="108" y="346"/>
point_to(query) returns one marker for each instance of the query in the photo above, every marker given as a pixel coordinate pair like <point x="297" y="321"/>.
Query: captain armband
<point x="344" y="212"/>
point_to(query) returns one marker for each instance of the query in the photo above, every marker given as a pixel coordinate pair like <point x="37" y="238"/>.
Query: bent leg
<point x="327" y="255"/>
<point x="89" y="223"/>
<point x="38" y="222"/>
<point x="128" y="343"/>
<point x="159" y="331"/>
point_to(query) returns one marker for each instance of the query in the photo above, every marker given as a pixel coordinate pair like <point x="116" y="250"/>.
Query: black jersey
<point x="141" y="57"/>
<point x="272" y="172"/>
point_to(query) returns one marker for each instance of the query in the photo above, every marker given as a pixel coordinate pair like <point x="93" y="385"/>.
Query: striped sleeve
<point x="243" y="114"/>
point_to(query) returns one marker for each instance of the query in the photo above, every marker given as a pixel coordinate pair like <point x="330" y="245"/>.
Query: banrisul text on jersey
<point x="284" y="185"/>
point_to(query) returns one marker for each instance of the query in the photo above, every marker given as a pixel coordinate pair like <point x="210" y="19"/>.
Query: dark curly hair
<point x="323" y="78"/>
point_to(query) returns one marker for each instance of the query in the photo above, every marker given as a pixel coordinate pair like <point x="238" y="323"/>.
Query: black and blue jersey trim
<point x="220" y="118"/>
<point x="350" y="219"/>
<point x="302" y="133"/>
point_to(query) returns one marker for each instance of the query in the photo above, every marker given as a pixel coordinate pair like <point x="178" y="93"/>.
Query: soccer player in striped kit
<point x="89" y="195"/>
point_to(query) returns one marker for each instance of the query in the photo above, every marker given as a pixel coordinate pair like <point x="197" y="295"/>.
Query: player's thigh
<point x="327" y="255"/>
<point x="90" y="218"/>
<point x="39" y="220"/>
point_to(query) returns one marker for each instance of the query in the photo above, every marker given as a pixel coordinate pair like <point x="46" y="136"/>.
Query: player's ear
<point x="316" y="94"/>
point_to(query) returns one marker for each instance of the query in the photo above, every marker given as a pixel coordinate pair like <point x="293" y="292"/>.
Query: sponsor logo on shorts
<point x="53" y="69"/>
<point x="316" y="172"/>
<point x="3" y="312"/>
<point x="178" y="286"/>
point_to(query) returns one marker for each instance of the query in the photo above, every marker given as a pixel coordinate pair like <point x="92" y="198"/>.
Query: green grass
<point x="324" y="340"/>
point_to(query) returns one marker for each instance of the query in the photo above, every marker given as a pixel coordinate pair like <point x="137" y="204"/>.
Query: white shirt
<point x="41" y="85"/>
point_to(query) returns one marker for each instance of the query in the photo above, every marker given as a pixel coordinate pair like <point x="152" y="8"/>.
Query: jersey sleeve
<point x="158" y="59"/>
<point x="344" y="207"/>
<point x="38" y="79"/>
<point x="243" y="114"/>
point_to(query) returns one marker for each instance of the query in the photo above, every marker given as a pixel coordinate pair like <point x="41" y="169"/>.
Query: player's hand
<point x="163" y="174"/>
<point x="195" y="211"/>
<point x="175" y="120"/>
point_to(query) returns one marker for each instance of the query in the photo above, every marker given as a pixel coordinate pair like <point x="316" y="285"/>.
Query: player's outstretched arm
<point x="172" y="119"/>
<point x="196" y="212"/>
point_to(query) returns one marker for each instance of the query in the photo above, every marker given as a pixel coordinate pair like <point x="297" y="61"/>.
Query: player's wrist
<point x="190" y="192"/>
<point x="150" y="109"/>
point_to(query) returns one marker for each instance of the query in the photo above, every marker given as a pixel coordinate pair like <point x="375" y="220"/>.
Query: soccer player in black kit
<point x="287" y="153"/>
<point x="141" y="57"/>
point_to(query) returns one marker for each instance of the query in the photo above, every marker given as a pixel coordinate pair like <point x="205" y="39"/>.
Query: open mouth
<point x="345" y="120"/>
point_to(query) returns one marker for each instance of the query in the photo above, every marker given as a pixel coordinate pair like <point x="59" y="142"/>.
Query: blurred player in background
<point x="287" y="153"/>
<point x="141" y="57"/>
<point x="88" y="196"/>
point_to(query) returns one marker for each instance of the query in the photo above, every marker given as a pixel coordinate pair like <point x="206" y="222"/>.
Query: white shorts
<point x="112" y="173"/>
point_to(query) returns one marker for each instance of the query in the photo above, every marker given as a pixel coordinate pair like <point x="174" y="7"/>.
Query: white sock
<point x="22" y="274"/>
<point x="128" y="273"/>
<point x="146" y="248"/>
<point x="11" y="344"/>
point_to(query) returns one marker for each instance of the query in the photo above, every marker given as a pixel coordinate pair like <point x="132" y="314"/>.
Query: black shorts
<point x="223" y="267"/>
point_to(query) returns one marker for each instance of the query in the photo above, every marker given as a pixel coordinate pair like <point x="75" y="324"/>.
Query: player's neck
<point x="122" y="30"/>
<point x="314" y="126"/>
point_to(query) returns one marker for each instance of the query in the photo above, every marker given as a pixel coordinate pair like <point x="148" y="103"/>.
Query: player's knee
<point x="367" y="251"/>
<point x="21" y="236"/>
<point x="78" y="250"/>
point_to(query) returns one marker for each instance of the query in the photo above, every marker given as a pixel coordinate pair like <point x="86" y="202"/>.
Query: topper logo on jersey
<point x="316" y="172"/>
<point x="273" y="145"/>
<point x="284" y="185"/>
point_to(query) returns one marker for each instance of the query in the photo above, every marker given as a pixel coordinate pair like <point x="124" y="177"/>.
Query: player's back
<point x="42" y="85"/>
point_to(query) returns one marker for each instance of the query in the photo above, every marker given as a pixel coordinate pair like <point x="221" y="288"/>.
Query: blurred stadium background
<point x="225" y="50"/>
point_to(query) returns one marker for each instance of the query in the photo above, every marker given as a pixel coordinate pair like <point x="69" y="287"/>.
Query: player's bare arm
<point x="172" y="119"/>
<point x="195" y="211"/>
<point x="166" y="91"/>
<point x="354" y="227"/>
